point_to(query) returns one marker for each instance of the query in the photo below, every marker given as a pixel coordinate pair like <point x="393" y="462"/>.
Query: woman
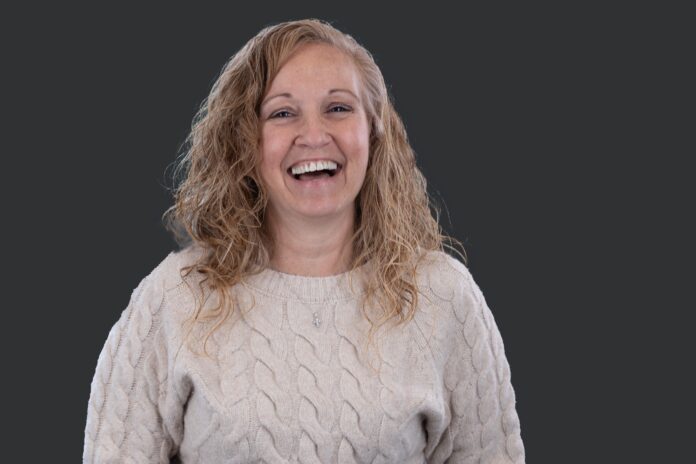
<point x="312" y="314"/>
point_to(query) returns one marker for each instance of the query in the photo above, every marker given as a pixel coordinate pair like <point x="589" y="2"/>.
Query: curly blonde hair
<point x="220" y="201"/>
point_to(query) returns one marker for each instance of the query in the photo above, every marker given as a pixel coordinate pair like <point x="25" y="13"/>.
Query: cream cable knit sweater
<point x="289" y="379"/>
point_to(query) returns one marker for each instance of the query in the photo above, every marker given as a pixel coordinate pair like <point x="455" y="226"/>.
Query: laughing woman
<point x="312" y="313"/>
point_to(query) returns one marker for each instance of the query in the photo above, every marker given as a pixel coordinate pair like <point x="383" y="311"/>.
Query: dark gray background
<point x="554" y="138"/>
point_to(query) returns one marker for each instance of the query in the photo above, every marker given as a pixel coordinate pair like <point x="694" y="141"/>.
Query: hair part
<point x="220" y="200"/>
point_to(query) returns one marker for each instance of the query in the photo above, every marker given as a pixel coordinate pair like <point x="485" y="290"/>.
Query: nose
<point x="313" y="132"/>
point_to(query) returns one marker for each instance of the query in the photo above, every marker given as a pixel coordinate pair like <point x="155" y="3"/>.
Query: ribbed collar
<point x="307" y="288"/>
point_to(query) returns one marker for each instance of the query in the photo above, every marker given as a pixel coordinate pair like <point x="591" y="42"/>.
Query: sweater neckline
<point x="309" y="288"/>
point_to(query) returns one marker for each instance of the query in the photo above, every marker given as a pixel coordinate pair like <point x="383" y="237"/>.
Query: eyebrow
<point x="286" y="94"/>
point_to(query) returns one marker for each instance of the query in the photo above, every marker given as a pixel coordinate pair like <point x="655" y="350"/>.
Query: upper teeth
<point x="314" y="166"/>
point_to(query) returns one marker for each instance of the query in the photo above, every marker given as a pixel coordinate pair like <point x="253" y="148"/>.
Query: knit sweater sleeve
<point x="484" y="426"/>
<point x="133" y="415"/>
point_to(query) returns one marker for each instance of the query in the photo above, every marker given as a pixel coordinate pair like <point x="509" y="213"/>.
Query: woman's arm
<point x="485" y="427"/>
<point x="130" y="417"/>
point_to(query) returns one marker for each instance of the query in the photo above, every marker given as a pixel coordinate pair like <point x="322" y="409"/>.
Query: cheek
<point x="362" y="137"/>
<point x="273" y="148"/>
<point x="360" y="146"/>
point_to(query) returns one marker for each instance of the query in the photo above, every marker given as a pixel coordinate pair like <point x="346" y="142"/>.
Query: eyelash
<point x="275" y="115"/>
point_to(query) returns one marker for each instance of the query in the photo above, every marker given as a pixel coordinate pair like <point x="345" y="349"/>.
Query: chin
<point x="325" y="209"/>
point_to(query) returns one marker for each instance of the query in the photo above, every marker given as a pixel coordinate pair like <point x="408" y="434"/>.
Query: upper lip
<point x="323" y="158"/>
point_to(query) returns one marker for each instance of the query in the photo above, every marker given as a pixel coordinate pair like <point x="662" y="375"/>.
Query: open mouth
<point x="316" y="174"/>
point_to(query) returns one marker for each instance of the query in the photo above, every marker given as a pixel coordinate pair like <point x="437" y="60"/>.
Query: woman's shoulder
<point x="452" y="283"/>
<point x="157" y="294"/>
<point x="438" y="260"/>
<point x="164" y="279"/>
<point x="449" y="282"/>
<point x="444" y="275"/>
<point x="169" y="272"/>
<point x="446" y="298"/>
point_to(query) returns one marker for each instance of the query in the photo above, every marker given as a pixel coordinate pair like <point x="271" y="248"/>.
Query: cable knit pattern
<point x="289" y="379"/>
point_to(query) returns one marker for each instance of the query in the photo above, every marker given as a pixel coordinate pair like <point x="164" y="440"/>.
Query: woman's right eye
<point x="278" y="112"/>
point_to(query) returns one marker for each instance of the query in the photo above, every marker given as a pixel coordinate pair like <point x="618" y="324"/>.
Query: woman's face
<point x="313" y="111"/>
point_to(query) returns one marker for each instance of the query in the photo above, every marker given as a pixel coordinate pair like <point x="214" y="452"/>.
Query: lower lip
<point x="318" y="182"/>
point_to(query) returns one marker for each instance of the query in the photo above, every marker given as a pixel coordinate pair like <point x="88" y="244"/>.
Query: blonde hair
<point x="220" y="201"/>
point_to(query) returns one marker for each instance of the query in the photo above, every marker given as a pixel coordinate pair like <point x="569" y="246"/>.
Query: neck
<point x="312" y="249"/>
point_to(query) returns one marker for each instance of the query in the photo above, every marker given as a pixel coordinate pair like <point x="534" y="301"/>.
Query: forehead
<point x="315" y="68"/>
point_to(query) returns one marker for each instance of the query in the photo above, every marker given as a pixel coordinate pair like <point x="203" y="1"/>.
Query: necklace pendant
<point x="316" y="321"/>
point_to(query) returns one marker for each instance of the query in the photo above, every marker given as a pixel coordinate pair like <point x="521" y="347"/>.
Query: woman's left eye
<point x="345" y="108"/>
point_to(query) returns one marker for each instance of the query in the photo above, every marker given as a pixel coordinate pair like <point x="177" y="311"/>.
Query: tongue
<point x="312" y="175"/>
